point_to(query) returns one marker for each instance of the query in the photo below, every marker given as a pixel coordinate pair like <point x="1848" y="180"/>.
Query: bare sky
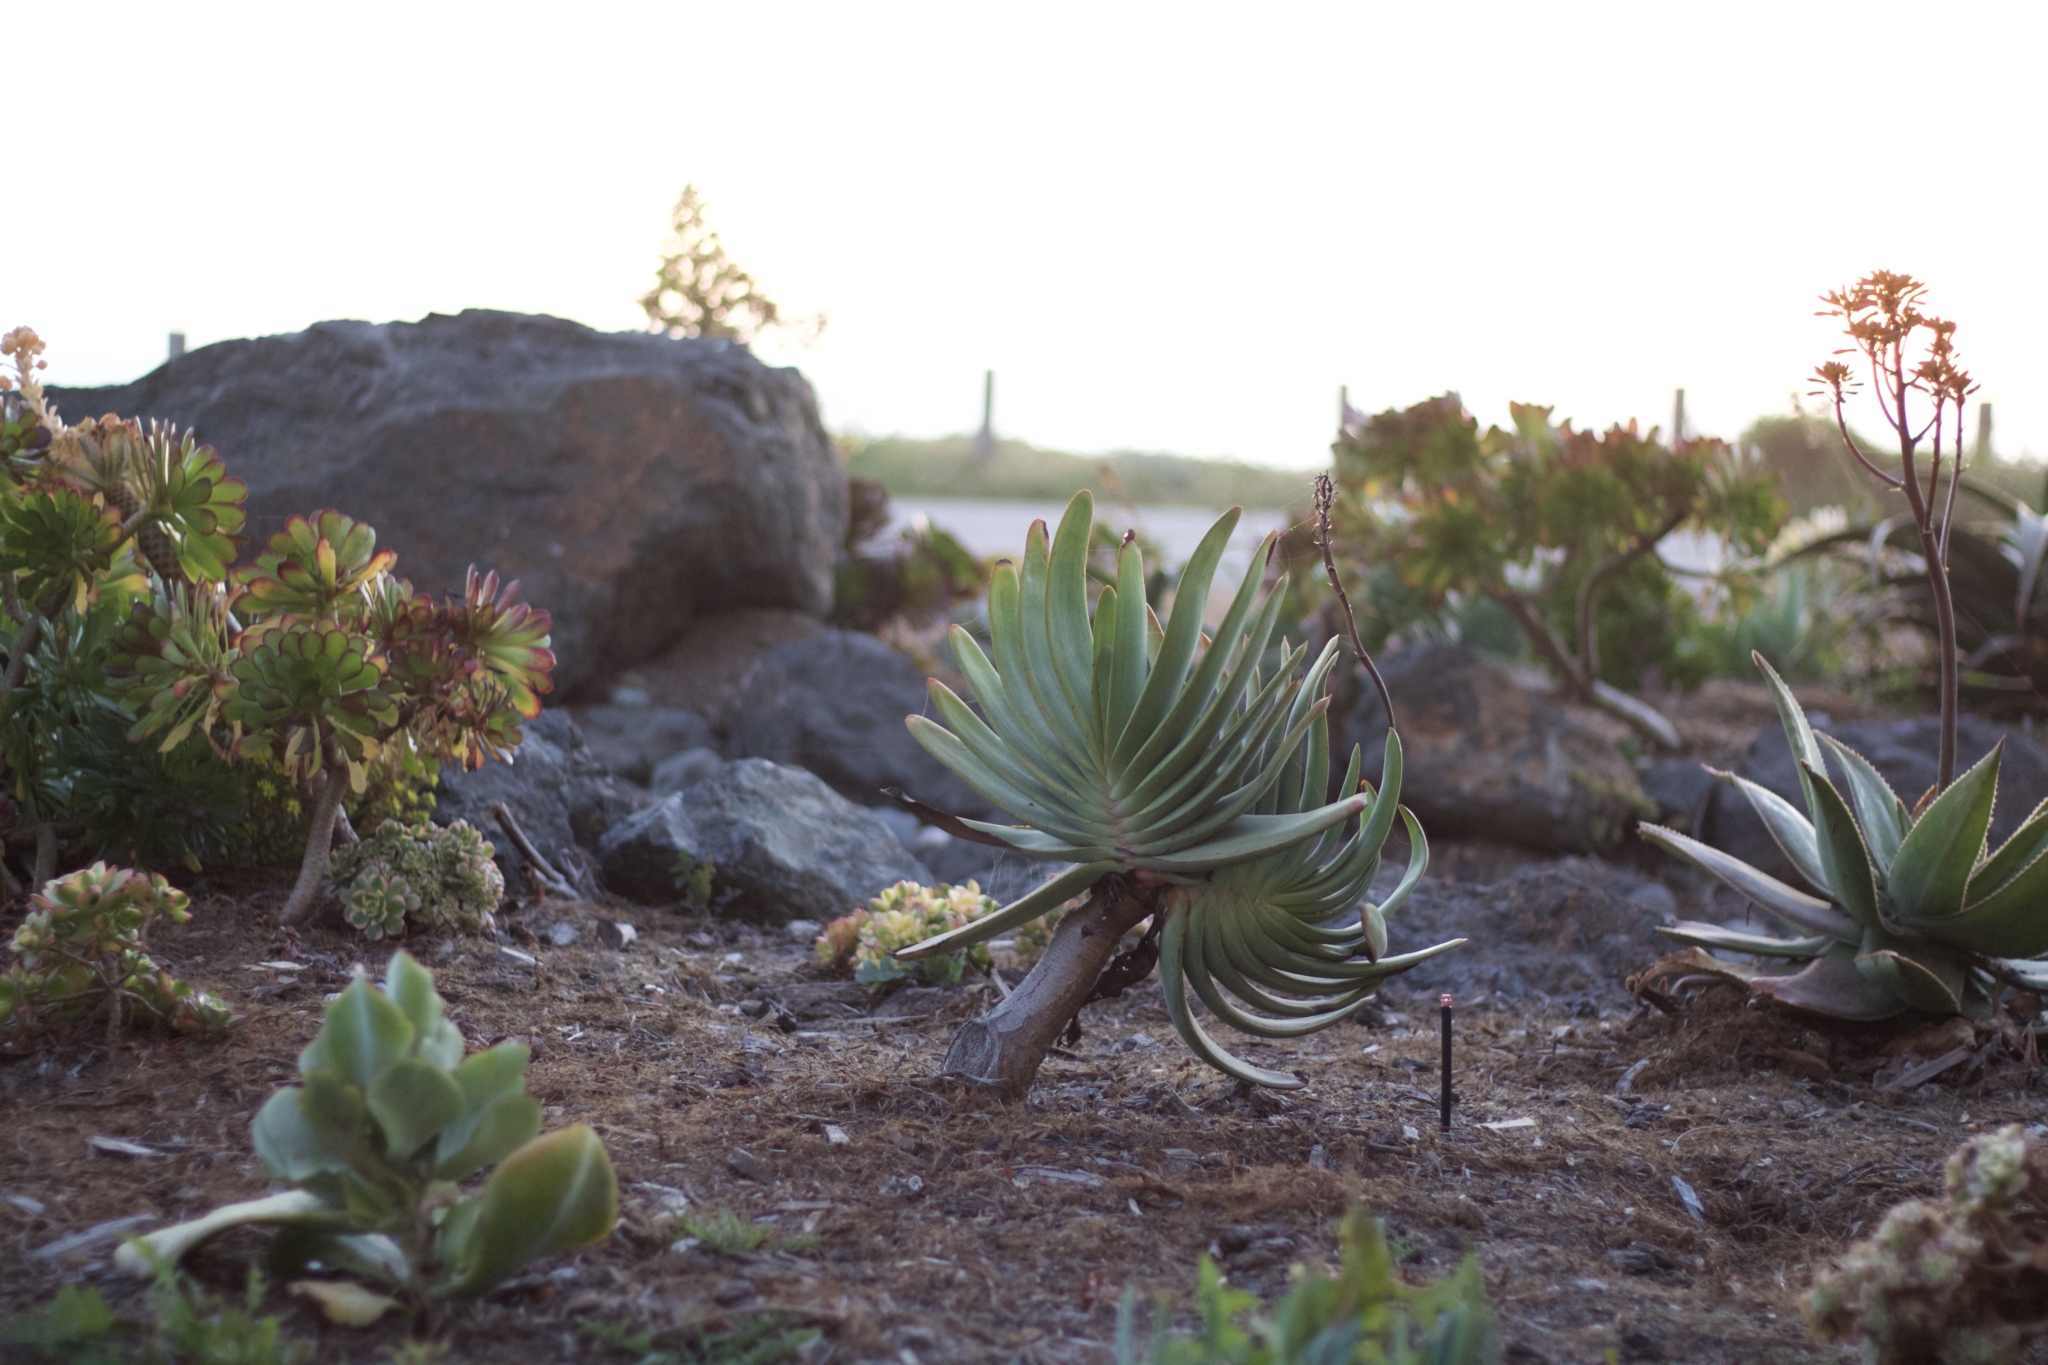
<point x="1173" y="227"/>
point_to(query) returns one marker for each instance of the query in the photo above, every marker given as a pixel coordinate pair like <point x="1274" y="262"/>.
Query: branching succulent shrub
<point x="1185" y="785"/>
<point x="1363" y="1312"/>
<point x="390" y="1117"/>
<point x="1954" y="1281"/>
<point x="1914" y="910"/>
<point x="420" y="876"/>
<point x="1557" y="527"/>
<point x="314" y="655"/>
<point x="79" y="954"/>
<point x="905" y="915"/>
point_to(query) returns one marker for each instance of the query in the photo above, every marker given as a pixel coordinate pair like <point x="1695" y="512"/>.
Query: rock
<point x="563" y="798"/>
<point x="1904" y="751"/>
<point x="782" y="844"/>
<point x="685" y="770"/>
<point x="1679" y="788"/>
<point x="835" y="704"/>
<point x="633" y="740"/>
<point x="703" y="670"/>
<point x="629" y="481"/>
<point x="1486" y="757"/>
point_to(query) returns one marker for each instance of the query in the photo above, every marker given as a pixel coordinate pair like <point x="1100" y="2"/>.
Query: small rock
<point x="747" y="1166"/>
<point x="735" y="1290"/>
<point x="903" y="1187"/>
<point x="614" y="933"/>
<point x="1589" y="1285"/>
<point x="633" y="741"/>
<point x="560" y="935"/>
<point x="1637" y="1344"/>
<point x="1642" y="1258"/>
<point x="680" y="772"/>
<point x="803" y="931"/>
<point x="835" y="1136"/>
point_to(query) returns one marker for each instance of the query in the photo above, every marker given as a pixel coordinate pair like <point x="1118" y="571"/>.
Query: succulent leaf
<point x="1931" y="874"/>
<point x="555" y="1193"/>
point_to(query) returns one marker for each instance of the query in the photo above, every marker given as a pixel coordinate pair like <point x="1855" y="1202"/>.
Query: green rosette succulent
<point x="79" y="952"/>
<point x="59" y="543"/>
<point x="170" y="661"/>
<point x="189" y="497"/>
<point x="387" y="1121"/>
<point x="305" y="685"/>
<point x="507" y="638"/>
<point x="1912" y="912"/>
<point x="316" y="568"/>
<point x="422" y="876"/>
<point x="1166" y="756"/>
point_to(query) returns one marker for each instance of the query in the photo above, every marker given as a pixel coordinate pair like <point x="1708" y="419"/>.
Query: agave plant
<point x="1184" y="785"/>
<point x="1913" y="910"/>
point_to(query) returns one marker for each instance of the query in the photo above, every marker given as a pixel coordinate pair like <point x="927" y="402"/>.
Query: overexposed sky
<point x="1165" y="227"/>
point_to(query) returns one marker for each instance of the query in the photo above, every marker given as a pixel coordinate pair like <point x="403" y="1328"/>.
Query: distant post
<point x="1983" y="450"/>
<point x="1678" y="419"/>
<point x="177" y="345"/>
<point x="985" y="439"/>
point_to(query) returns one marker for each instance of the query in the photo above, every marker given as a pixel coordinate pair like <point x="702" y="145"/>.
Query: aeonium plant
<point x="388" y="1120"/>
<point x="318" y="656"/>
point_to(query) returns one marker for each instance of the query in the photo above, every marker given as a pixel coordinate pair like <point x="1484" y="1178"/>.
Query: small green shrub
<point x="1363" y="1312"/>
<point x="695" y="880"/>
<point x="189" y="1327"/>
<point x="79" y="954"/>
<point x="422" y="876"/>
<point x="906" y="914"/>
<point x="389" y="1119"/>
<point x="1954" y="1281"/>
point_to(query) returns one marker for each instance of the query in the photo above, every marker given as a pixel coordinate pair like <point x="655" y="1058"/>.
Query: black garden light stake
<point x="1447" y="1064"/>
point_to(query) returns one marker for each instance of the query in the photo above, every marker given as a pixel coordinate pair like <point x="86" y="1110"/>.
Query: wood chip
<point x="1507" y="1125"/>
<point x="836" y="1136"/>
<point x="1053" y="1175"/>
<point x="1919" y="1075"/>
<point x="114" y="1146"/>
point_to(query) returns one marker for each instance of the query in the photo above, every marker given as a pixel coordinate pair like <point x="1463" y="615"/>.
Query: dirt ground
<point x="913" y="1225"/>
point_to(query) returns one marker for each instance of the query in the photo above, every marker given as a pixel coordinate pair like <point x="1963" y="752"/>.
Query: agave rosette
<point x="1125" y="747"/>
<point x="1913" y="912"/>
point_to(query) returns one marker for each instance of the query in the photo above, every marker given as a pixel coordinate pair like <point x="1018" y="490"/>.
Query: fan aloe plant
<point x="1913" y="911"/>
<point x="389" y="1118"/>
<point x="1186" y="785"/>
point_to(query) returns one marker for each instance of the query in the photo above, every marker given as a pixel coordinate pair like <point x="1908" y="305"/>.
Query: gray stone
<point x="1679" y="788"/>
<point x="563" y="798"/>
<point x="1904" y="751"/>
<point x="632" y="741"/>
<point x="629" y="481"/>
<point x="835" y="704"/>
<point x="1484" y="757"/>
<point x="782" y="844"/>
<point x="685" y="770"/>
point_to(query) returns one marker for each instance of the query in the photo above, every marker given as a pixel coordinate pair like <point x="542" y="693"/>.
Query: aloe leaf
<point x="1019" y="732"/>
<point x="1127" y="680"/>
<point x="2027" y="843"/>
<point x="1916" y="981"/>
<point x="2010" y="922"/>
<point x="1931" y="874"/>
<point x="1845" y="861"/>
<point x="1023" y="910"/>
<point x="963" y="762"/>
<point x="1041" y="675"/>
<point x="1255" y="836"/>
<point x="412" y="1101"/>
<point x="1798" y="733"/>
<point x="363" y="1033"/>
<point x="1102" y="670"/>
<point x="170" y="1244"/>
<point x="1756" y="945"/>
<point x="1183" y="634"/>
<point x="1066" y="610"/>
<point x="1034" y="843"/>
<point x="1173" y="992"/>
<point x="1795" y="907"/>
<point x="1832" y="985"/>
<point x="556" y="1193"/>
<point x="1878" y="809"/>
<point x="1791" y="831"/>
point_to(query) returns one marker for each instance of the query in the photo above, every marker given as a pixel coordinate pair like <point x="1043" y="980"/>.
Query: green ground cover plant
<point x="388" y="1121"/>
<point x="187" y="1326"/>
<point x="1359" y="1311"/>
<point x="422" y="877"/>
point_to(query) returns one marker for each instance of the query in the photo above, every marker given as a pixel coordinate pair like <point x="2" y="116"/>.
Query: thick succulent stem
<point x="46" y="855"/>
<point x="1003" y="1049"/>
<point x="319" y="840"/>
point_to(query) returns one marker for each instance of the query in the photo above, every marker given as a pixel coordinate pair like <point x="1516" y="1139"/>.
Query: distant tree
<point x="700" y="292"/>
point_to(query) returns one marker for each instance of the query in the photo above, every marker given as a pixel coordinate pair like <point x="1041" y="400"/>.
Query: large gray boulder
<point x="835" y="704"/>
<point x="564" y="799"/>
<point x="633" y="741"/>
<point x="629" y="481"/>
<point x="782" y="846"/>
<point x="1485" y="757"/>
<point x="1906" y="752"/>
